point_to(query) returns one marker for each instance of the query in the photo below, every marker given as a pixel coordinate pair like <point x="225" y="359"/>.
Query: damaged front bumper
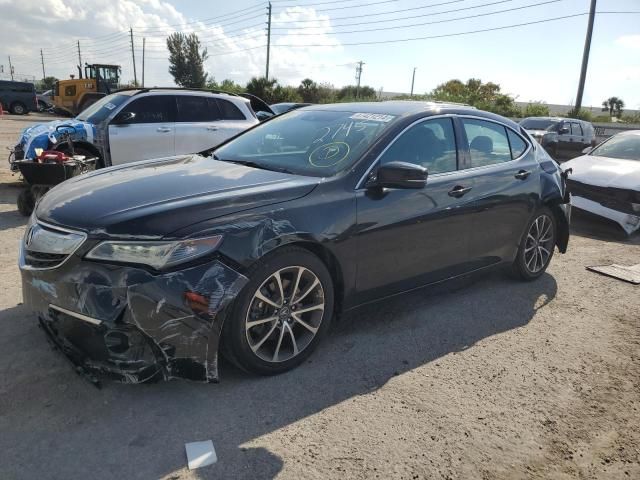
<point x="131" y="324"/>
<point x="620" y="205"/>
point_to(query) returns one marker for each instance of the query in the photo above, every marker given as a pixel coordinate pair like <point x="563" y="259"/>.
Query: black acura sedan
<point x="148" y="270"/>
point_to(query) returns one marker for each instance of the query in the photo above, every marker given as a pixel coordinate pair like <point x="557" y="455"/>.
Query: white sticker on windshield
<point x="375" y="117"/>
<point x="109" y="106"/>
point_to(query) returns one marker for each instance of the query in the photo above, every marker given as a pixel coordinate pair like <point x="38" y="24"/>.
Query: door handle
<point x="212" y="129"/>
<point x="458" y="191"/>
<point x="163" y="129"/>
<point x="522" y="174"/>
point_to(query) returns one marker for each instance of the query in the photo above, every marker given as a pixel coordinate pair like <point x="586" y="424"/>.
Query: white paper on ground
<point x="629" y="274"/>
<point x="200" y="454"/>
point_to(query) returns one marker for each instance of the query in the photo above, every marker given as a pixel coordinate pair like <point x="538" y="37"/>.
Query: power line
<point x="342" y="8"/>
<point x="209" y="20"/>
<point x="405" y="10"/>
<point x="437" y="21"/>
<point x="377" y="42"/>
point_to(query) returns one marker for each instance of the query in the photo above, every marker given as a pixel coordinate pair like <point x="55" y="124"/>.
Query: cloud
<point x="629" y="41"/>
<point x="237" y="46"/>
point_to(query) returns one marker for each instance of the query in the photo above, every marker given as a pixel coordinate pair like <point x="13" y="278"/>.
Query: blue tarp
<point x="45" y="135"/>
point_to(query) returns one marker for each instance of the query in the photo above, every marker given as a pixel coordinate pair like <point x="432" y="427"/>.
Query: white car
<point x="606" y="181"/>
<point x="139" y="124"/>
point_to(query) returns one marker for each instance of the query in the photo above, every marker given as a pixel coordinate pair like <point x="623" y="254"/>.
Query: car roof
<point x="179" y="91"/>
<point x="408" y="108"/>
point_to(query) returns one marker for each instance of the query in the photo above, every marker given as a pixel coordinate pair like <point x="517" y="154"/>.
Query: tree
<point x="262" y="88"/>
<point x="348" y="93"/>
<point x="47" y="83"/>
<point x="186" y="60"/>
<point x="536" y="109"/>
<point x="309" y="91"/>
<point x="613" y="105"/>
<point x="285" y="93"/>
<point x="226" y="85"/>
<point x="486" y="96"/>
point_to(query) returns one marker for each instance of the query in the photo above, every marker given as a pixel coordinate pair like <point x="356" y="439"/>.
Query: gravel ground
<point x="484" y="378"/>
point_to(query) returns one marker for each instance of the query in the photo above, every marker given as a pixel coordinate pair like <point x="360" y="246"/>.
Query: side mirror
<point x="563" y="130"/>
<point x="587" y="150"/>
<point x="123" y="118"/>
<point x="399" y="175"/>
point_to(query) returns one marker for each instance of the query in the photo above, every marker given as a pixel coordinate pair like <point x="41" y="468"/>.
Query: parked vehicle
<point x="45" y="100"/>
<point x="147" y="270"/>
<point x="279" y="108"/>
<point x="606" y="180"/>
<point x="140" y="124"/>
<point x="18" y="98"/>
<point x="561" y="137"/>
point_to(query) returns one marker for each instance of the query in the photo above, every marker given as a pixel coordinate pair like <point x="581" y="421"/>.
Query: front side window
<point x="307" y="142"/>
<point x="151" y="109"/>
<point x="488" y="142"/>
<point x="193" y="108"/>
<point x="430" y="144"/>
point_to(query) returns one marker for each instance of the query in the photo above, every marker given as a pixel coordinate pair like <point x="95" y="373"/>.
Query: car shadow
<point x="139" y="431"/>
<point x="589" y="225"/>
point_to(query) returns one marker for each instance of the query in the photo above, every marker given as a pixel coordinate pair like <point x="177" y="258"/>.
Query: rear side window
<point x="228" y="111"/>
<point x="152" y="109"/>
<point x="69" y="90"/>
<point x="193" y="108"/>
<point x="518" y="145"/>
<point x="488" y="142"/>
<point x="576" y="129"/>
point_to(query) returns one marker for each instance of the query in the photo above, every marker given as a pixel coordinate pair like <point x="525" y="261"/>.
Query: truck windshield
<point x="307" y="142"/>
<point x="538" y="124"/>
<point x="100" y="110"/>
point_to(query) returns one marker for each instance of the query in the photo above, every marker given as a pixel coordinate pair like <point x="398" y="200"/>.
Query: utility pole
<point x="133" y="57"/>
<point x="585" y="56"/>
<point x="79" y="60"/>
<point x="413" y="79"/>
<point x="10" y="68"/>
<point x="268" y="40"/>
<point x="42" y="58"/>
<point x="143" y="42"/>
<point x="358" y="75"/>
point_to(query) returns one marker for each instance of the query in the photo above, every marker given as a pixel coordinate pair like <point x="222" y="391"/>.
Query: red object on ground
<point x="52" y="156"/>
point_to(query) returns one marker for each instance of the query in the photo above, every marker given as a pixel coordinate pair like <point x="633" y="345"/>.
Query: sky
<point x="323" y="40"/>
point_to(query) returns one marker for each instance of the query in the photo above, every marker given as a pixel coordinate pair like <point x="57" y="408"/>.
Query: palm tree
<point x="613" y="104"/>
<point x="262" y="88"/>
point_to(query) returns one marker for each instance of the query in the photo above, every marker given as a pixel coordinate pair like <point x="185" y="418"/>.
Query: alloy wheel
<point x="539" y="244"/>
<point x="285" y="314"/>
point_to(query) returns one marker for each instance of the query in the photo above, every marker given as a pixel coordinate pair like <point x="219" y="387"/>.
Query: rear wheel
<point x="18" y="108"/>
<point x="281" y="314"/>
<point x="26" y="202"/>
<point x="537" y="246"/>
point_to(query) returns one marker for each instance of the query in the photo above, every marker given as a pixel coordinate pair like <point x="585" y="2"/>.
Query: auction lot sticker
<point x="374" y="117"/>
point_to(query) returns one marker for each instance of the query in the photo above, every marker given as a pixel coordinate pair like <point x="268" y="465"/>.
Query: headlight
<point x="158" y="254"/>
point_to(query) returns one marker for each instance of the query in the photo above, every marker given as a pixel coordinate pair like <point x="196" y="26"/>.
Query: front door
<point x="408" y="238"/>
<point x="149" y="133"/>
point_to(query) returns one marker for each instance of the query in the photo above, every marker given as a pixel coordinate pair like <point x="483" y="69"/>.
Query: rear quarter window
<point x="517" y="144"/>
<point x="228" y="111"/>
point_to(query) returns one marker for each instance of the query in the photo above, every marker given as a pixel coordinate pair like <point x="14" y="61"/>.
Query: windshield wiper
<point x="248" y="163"/>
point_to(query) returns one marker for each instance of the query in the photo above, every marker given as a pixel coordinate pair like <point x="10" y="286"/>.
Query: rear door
<point x="232" y="119"/>
<point x="578" y="142"/>
<point x="506" y="178"/>
<point x="149" y="134"/>
<point x="197" y="124"/>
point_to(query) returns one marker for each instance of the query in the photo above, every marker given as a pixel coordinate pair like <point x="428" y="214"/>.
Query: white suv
<point x="140" y="124"/>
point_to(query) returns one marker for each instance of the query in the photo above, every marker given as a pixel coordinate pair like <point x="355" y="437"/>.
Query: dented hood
<point x="157" y="197"/>
<point x="605" y="172"/>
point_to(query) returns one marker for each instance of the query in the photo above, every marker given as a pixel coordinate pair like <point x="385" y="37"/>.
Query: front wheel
<point x="281" y="314"/>
<point x="537" y="246"/>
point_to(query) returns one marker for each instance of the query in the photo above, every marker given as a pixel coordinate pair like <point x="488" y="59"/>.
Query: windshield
<point x="307" y="142"/>
<point x="626" y="147"/>
<point x="102" y="108"/>
<point x="281" y="107"/>
<point x="538" y="123"/>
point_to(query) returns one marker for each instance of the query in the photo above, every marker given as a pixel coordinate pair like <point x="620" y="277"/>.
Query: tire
<point x="536" y="246"/>
<point x="26" y="202"/>
<point x="279" y="338"/>
<point x="18" y="108"/>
